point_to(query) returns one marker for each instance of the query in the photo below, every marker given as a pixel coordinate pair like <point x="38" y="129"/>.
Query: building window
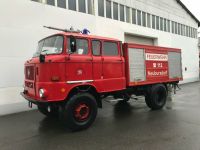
<point x="37" y="1"/>
<point x="101" y="8"/>
<point x="176" y="29"/>
<point x="108" y="9"/>
<point x="192" y="34"/>
<point x="134" y="16"/>
<point x="173" y="29"/>
<point x="179" y="29"/>
<point x="81" y="6"/>
<point x="61" y="3"/>
<point x="110" y="49"/>
<point x="192" y="31"/>
<point x="90" y="4"/>
<point x="165" y="25"/>
<point x="144" y="19"/>
<point x="115" y="11"/>
<point x="195" y="33"/>
<point x="121" y="12"/>
<point x="139" y="19"/>
<point x="161" y="24"/>
<point x="157" y="22"/>
<point x="153" y="22"/>
<point x="187" y="31"/>
<point x="149" y="20"/>
<point x="72" y="4"/>
<point x="168" y="26"/>
<point x="128" y="14"/>
<point x="51" y="2"/>
<point x="183" y="30"/>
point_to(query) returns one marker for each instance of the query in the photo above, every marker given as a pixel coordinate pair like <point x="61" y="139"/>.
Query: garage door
<point x="138" y="39"/>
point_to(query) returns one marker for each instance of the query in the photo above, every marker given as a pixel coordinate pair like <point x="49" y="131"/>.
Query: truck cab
<point x="68" y="64"/>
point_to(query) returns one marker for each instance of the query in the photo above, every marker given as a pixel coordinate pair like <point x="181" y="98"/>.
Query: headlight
<point x="42" y="93"/>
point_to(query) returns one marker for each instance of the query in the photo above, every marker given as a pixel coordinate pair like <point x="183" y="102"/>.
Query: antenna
<point x="71" y="30"/>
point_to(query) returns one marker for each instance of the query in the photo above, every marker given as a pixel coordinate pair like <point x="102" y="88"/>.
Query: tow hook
<point x="30" y="104"/>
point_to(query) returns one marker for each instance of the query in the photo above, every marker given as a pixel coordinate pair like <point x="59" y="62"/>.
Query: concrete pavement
<point x="120" y="126"/>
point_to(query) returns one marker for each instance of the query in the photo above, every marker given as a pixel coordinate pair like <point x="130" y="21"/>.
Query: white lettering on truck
<point x="156" y="57"/>
<point x="157" y="73"/>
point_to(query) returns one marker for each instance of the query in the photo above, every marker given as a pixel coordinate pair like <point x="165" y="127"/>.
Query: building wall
<point x="22" y="21"/>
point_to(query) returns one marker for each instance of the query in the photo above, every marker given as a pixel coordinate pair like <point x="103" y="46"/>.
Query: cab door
<point x="79" y="64"/>
<point x="113" y="66"/>
<point x="97" y="63"/>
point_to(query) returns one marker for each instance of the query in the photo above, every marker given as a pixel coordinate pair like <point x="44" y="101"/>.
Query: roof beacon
<point x="85" y="31"/>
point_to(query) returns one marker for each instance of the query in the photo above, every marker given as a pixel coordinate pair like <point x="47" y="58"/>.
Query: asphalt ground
<point x="119" y="126"/>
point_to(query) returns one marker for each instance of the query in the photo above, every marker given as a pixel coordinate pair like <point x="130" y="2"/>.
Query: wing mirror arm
<point x="42" y="58"/>
<point x="72" y="44"/>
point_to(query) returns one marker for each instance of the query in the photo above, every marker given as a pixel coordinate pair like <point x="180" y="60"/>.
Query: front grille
<point x="29" y="72"/>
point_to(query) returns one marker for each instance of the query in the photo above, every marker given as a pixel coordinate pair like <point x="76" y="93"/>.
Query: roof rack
<point x="71" y="30"/>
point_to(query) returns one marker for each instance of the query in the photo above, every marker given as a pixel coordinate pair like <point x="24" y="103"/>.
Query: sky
<point x="193" y="6"/>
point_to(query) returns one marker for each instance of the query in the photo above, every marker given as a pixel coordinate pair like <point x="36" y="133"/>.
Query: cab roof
<point x="84" y="36"/>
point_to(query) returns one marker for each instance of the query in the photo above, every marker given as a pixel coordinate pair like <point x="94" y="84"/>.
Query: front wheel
<point x="156" y="96"/>
<point x="80" y="111"/>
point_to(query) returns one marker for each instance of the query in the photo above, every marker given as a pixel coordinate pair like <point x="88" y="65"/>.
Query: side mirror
<point x="42" y="58"/>
<point x="73" y="44"/>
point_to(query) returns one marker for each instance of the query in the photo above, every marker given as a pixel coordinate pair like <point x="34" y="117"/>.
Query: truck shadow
<point x="123" y="109"/>
<point x="52" y="125"/>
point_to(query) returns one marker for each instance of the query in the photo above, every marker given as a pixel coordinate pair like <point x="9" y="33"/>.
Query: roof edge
<point x="189" y="12"/>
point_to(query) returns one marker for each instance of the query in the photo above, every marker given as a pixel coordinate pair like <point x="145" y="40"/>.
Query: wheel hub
<point x="82" y="112"/>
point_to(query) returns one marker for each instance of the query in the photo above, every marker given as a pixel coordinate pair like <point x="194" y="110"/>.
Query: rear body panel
<point x="151" y="64"/>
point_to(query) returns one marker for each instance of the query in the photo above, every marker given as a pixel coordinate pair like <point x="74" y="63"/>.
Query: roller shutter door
<point x="138" y="39"/>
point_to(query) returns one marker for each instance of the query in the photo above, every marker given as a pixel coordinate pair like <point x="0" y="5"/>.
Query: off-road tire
<point x="156" y="96"/>
<point x="68" y="112"/>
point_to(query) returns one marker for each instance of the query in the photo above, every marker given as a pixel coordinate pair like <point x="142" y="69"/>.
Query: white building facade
<point x="163" y="23"/>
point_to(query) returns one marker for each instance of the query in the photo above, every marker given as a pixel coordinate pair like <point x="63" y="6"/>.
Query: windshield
<point x="51" y="45"/>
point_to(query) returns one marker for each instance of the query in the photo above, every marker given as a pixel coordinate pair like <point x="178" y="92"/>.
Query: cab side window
<point x="96" y="48"/>
<point x="110" y="49"/>
<point x="81" y="46"/>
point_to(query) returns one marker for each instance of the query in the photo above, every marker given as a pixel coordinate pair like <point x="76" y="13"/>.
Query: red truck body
<point x="132" y="66"/>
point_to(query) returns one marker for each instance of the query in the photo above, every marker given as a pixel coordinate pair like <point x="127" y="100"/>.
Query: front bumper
<point x="31" y="100"/>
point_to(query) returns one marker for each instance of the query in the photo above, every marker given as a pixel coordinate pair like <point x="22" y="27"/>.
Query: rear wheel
<point x="156" y="96"/>
<point x="49" y="111"/>
<point x="80" y="111"/>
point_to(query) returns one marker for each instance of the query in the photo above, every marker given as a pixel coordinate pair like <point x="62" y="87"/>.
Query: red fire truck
<point x="71" y="73"/>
